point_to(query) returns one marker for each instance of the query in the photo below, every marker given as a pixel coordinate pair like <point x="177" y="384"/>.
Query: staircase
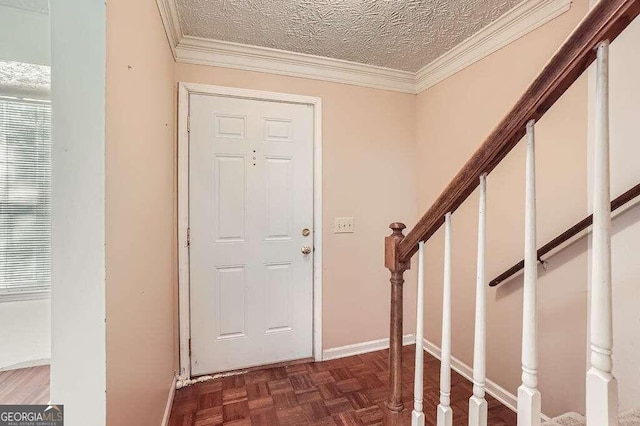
<point x="631" y="418"/>
<point x="588" y="43"/>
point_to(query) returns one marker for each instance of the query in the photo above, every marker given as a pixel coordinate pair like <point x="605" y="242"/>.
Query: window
<point x="25" y="196"/>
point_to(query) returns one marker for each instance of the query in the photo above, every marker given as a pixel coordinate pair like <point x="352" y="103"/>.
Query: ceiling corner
<point x="171" y="22"/>
<point x="514" y="24"/>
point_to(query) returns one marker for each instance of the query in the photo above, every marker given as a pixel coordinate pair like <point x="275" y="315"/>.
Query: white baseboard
<point x="492" y="388"/>
<point x="364" y="347"/>
<point x="167" y="409"/>
<point x="27" y="364"/>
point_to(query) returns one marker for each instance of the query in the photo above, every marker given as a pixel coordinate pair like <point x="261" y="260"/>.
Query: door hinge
<point x="188" y="124"/>
<point x="189" y="346"/>
<point x="188" y="237"/>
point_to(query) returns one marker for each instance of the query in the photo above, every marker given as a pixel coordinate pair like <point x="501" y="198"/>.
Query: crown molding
<point x="519" y="21"/>
<point x="193" y="50"/>
<point x="171" y="22"/>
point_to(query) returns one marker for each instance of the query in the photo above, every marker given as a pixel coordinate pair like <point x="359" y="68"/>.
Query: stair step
<point x="567" y="419"/>
<point x="630" y="418"/>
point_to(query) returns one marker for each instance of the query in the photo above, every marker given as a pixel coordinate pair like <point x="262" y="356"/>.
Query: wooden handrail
<point x="567" y="235"/>
<point x="606" y="20"/>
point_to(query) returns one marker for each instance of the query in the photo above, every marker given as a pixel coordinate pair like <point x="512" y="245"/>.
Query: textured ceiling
<point x="27" y="79"/>
<point x="399" y="34"/>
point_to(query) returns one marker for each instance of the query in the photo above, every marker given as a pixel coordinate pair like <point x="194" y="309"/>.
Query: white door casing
<point x="252" y="295"/>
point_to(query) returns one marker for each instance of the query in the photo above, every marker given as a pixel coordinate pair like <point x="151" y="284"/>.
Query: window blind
<point x="25" y="195"/>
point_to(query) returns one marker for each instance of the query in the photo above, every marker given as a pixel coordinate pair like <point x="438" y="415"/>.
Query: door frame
<point x="184" y="90"/>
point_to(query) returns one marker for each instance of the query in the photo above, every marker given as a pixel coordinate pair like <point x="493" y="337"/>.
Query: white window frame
<point x="19" y="295"/>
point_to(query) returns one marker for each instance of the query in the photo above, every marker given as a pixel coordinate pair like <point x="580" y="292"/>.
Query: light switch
<point x="343" y="225"/>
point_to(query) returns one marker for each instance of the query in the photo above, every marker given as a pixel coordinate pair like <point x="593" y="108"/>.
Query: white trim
<point x="517" y="22"/>
<point x="19" y="296"/>
<point x="183" y="225"/>
<point x="27" y="364"/>
<point x="167" y="408"/>
<point x="363" y="348"/>
<point x="184" y="90"/>
<point x="200" y="51"/>
<point x="171" y="22"/>
<point x="492" y="388"/>
<point x="201" y="379"/>
<point x="317" y="229"/>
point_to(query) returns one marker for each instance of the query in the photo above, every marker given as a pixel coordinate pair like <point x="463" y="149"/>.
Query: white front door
<point x="250" y="219"/>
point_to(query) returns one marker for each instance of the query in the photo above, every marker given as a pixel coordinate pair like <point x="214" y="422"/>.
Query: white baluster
<point x="477" y="403"/>
<point x="417" y="416"/>
<point x="602" y="387"/>
<point x="445" y="414"/>
<point x="529" y="400"/>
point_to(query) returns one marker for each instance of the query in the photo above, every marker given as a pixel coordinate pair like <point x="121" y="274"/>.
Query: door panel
<point x="278" y="283"/>
<point x="279" y="199"/>
<point x="229" y="208"/>
<point x="231" y="283"/>
<point x="250" y="197"/>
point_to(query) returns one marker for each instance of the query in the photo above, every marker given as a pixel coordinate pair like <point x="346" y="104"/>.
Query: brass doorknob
<point x="306" y="249"/>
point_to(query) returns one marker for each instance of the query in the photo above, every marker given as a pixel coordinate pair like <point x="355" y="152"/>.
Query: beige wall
<point x="453" y="118"/>
<point x="380" y="150"/>
<point x="368" y="173"/>
<point x="27" y="325"/>
<point x="140" y="215"/>
<point x="368" y="169"/>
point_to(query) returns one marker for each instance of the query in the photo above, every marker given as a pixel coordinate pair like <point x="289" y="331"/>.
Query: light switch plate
<point x="343" y="225"/>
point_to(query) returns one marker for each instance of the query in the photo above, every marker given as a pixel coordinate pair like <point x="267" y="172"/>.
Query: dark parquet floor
<point x="346" y="391"/>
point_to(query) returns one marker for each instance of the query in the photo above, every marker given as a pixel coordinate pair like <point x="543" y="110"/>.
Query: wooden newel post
<point x="397" y="268"/>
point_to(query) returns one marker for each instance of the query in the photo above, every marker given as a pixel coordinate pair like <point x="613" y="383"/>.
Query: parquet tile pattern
<point x="25" y="386"/>
<point x="347" y="391"/>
